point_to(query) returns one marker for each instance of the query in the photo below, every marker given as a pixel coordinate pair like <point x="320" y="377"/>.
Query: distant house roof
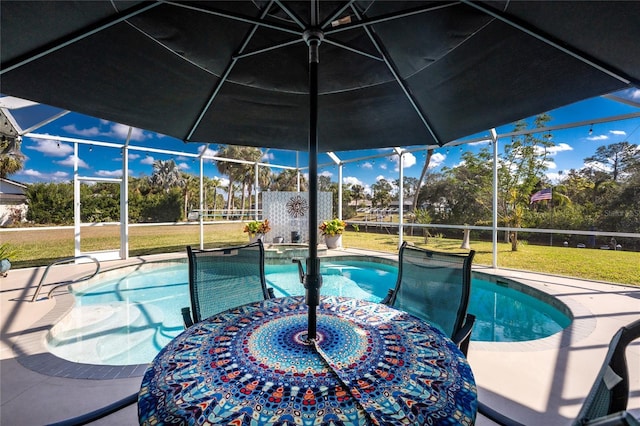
<point x="11" y="187"/>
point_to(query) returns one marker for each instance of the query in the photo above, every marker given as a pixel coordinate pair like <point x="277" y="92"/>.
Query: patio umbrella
<point x="317" y="76"/>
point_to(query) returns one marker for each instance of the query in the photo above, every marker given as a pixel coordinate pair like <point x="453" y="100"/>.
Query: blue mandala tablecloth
<point x="253" y="366"/>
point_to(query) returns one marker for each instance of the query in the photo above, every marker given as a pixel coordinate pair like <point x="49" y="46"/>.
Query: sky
<point x="49" y="160"/>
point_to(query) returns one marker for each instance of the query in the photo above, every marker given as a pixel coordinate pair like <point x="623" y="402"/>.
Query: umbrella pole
<point x="313" y="279"/>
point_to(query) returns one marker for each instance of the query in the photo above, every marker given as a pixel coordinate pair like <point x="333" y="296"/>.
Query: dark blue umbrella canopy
<point x="391" y="73"/>
<point x="317" y="76"/>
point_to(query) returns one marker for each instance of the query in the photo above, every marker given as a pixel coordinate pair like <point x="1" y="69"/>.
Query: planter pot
<point x="255" y="237"/>
<point x="333" y="241"/>
<point x="278" y="240"/>
<point x="5" y="265"/>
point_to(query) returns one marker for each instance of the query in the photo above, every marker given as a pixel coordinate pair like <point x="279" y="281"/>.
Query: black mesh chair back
<point x="220" y="279"/>
<point x="434" y="286"/>
<point x="610" y="391"/>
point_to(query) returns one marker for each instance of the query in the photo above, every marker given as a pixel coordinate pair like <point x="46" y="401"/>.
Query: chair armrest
<point x="495" y="416"/>
<point x="615" y="419"/>
<point x="388" y="297"/>
<point x="463" y="336"/>
<point x="186" y="317"/>
<point x="272" y="295"/>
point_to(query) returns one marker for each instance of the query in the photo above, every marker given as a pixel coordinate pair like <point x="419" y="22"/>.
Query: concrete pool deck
<point x="541" y="382"/>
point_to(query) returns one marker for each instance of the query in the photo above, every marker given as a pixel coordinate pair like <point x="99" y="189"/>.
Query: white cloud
<point x="618" y="132"/>
<point x="147" y="160"/>
<point x="183" y="166"/>
<point x="31" y="172"/>
<point x="554" y="177"/>
<point x="91" y="131"/>
<point x="436" y="160"/>
<point x="383" y="166"/>
<point x="209" y="152"/>
<point x="54" y="177"/>
<point x="367" y="165"/>
<point x="51" y="148"/>
<point x="598" y="138"/>
<point x="121" y="131"/>
<point x="109" y="173"/>
<point x="268" y="156"/>
<point x="561" y="147"/>
<point x="634" y="93"/>
<point x="69" y="161"/>
<point x="408" y="160"/>
<point x="115" y="130"/>
<point x="379" y="177"/>
<point x="133" y="156"/>
<point x="598" y="165"/>
<point x="351" y="180"/>
<point x="485" y="142"/>
<point x="326" y="173"/>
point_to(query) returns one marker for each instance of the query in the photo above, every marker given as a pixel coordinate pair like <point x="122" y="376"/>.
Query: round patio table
<point x="252" y="365"/>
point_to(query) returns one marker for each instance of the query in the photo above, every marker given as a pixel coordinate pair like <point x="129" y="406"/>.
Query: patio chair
<point x="610" y="391"/>
<point x="220" y="279"/>
<point x="435" y="286"/>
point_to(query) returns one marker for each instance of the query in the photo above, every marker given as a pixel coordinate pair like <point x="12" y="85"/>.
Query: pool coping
<point x="34" y="355"/>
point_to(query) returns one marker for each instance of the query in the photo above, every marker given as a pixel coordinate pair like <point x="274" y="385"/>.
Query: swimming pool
<point x="125" y="316"/>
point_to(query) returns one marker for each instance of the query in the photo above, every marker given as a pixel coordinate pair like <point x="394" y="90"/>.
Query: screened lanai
<point x="25" y="118"/>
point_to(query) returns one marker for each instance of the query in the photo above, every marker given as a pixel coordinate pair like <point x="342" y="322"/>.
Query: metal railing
<point x="60" y="284"/>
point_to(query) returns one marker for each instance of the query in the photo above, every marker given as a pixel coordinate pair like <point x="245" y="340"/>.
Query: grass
<point x="37" y="248"/>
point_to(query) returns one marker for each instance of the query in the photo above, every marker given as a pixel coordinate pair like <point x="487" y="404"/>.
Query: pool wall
<point x="34" y="355"/>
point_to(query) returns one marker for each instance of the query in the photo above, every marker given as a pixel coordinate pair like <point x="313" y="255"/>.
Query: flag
<point x="543" y="194"/>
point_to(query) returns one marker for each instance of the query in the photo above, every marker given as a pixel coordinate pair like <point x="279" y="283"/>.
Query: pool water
<point x="128" y="318"/>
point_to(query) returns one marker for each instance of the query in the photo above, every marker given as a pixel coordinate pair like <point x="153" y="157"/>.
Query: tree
<point x="382" y="193"/>
<point x="287" y="180"/>
<point x="166" y="175"/>
<point x="324" y="183"/>
<point x="238" y="172"/>
<point x="620" y="157"/>
<point x="11" y="157"/>
<point x="357" y="191"/>
<point x="190" y="191"/>
<point x="425" y="168"/>
<point x="464" y="193"/>
<point x="50" y="203"/>
<point x="522" y="167"/>
<point x="211" y="183"/>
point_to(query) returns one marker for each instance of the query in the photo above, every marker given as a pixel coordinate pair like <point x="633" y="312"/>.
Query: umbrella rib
<point x="354" y="50"/>
<point x="548" y="39"/>
<point x="400" y="82"/>
<point x="291" y="15"/>
<point x="337" y="13"/>
<point x="77" y="36"/>
<point x="267" y="49"/>
<point x="226" y="73"/>
<point x="388" y="17"/>
<point x="237" y="17"/>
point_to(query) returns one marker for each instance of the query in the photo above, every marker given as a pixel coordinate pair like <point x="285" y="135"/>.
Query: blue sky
<point x="48" y="160"/>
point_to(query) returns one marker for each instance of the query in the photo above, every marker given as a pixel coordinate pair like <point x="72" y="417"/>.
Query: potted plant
<point x="332" y="231"/>
<point x="256" y="229"/>
<point x="6" y="252"/>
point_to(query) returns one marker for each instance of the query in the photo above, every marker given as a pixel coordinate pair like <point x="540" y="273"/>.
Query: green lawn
<point x="41" y="248"/>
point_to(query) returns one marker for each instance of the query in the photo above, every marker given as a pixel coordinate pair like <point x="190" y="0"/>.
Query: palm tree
<point x="190" y="188"/>
<point x="166" y="175"/>
<point x="11" y="158"/>
<point x="213" y="183"/>
<point x="287" y="180"/>
<point x="358" y="193"/>
<point x="238" y="172"/>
